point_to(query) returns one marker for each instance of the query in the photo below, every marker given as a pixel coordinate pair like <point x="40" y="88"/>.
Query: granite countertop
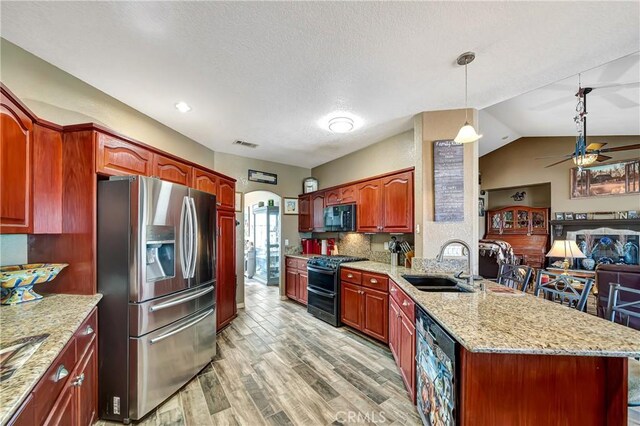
<point x="58" y="315"/>
<point x="515" y="323"/>
<point x="302" y="256"/>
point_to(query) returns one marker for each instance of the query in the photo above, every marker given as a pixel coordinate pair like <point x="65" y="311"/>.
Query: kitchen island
<point x="525" y="360"/>
<point x="56" y="317"/>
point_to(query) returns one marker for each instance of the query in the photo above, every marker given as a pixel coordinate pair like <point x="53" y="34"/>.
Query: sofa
<point x="625" y="275"/>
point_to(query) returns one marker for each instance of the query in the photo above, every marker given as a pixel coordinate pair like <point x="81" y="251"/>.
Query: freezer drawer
<point x="161" y="362"/>
<point x="153" y="314"/>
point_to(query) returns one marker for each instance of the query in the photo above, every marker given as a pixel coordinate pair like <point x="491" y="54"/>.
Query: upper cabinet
<point x="226" y="196"/>
<point x="317" y="211"/>
<point x="397" y="201"/>
<point x="171" y="170"/>
<point x="304" y="214"/>
<point x="205" y="181"/>
<point x="342" y="195"/>
<point x="120" y="158"/>
<point x="368" y="208"/>
<point x="30" y="172"/>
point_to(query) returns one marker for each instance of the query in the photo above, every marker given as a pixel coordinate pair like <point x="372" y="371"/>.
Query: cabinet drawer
<point x="302" y="265"/>
<point x="54" y="380"/>
<point x="350" y="276"/>
<point x="292" y="262"/>
<point x="85" y="333"/>
<point x="378" y="282"/>
<point x="405" y="303"/>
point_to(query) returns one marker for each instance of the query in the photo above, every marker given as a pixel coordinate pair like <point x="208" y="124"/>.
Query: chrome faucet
<point x="469" y="262"/>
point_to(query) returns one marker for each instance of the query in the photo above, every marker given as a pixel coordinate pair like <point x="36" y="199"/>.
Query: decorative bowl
<point x="17" y="281"/>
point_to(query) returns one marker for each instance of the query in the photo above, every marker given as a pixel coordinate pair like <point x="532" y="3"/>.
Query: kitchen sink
<point x="435" y="284"/>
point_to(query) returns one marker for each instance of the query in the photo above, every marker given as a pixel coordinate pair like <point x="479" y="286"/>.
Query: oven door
<point x="322" y="278"/>
<point x="319" y="299"/>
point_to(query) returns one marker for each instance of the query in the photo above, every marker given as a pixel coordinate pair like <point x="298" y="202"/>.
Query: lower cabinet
<point x="364" y="308"/>
<point x="402" y="336"/>
<point x="67" y="394"/>
<point x="296" y="279"/>
<point x="226" y="308"/>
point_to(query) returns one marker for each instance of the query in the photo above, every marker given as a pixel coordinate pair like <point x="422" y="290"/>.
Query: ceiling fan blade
<point x="554" y="156"/>
<point x="620" y="101"/>
<point x="612" y="85"/>
<point x="559" y="162"/>
<point x="621" y="148"/>
<point x="602" y="158"/>
<point x="595" y="146"/>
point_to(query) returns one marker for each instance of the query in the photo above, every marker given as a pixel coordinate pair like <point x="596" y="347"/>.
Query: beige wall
<point x="59" y="97"/>
<point x="536" y="196"/>
<point x="442" y="125"/>
<point x="515" y="165"/>
<point x="289" y="185"/>
<point x="388" y="155"/>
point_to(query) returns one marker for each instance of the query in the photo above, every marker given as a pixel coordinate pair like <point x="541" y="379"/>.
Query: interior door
<point x="203" y="208"/>
<point x="163" y="232"/>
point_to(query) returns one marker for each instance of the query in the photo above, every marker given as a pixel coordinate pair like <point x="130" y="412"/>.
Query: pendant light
<point x="467" y="133"/>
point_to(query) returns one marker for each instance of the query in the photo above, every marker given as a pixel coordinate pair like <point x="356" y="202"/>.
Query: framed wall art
<point x="290" y="206"/>
<point x="601" y="180"/>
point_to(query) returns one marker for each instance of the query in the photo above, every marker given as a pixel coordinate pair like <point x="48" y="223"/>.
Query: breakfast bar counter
<point x="56" y="318"/>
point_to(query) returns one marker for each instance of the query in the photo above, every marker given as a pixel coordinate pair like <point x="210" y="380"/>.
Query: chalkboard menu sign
<point x="448" y="181"/>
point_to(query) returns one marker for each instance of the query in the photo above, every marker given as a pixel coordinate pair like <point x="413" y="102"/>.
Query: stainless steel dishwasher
<point x="436" y="383"/>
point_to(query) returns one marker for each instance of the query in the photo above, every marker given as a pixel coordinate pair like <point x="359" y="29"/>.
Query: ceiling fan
<point x="584" y="154"/>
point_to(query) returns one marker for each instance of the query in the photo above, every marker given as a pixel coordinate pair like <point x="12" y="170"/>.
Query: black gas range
<point x="324" y="286"/>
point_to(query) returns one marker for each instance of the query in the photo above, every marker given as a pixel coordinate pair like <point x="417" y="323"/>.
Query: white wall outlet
<point x="417" y="228"/>
<point x="286" y="242"/>
<point x="386" y="245"/>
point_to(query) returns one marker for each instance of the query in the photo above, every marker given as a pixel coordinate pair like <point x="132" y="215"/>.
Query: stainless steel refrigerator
<point x="156" y="270"/>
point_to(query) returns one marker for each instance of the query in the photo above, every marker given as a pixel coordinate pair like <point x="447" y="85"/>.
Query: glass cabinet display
<point x="518" y="220"/>
<point x="266" y="240"/>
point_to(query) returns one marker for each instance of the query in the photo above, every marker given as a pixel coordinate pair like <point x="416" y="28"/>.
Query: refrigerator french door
<point x="156" y="271"/>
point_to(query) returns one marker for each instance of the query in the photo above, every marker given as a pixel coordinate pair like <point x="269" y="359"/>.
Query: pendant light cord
<point x="466" y="119"/>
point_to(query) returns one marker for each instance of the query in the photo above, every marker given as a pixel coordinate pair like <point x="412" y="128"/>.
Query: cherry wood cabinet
<point x="317" y="211"/>
<point x="363" y="307"/>
<point x="171" y="170"/>
<point x="368" y="209"/>
<point x="205" y="181"/>
<point x="332" y="197"/>
<point x="296" y="279"/>
<point x="226" y="196"/>
<point x="342" y="195"/>
<point x="402" y="336"/>
<point x="304" y="215"/>
<point x="397" y="203"/>
<point x="67" y="394"/>
<point x="226" y="307"/>
<point x="117" y="157"/>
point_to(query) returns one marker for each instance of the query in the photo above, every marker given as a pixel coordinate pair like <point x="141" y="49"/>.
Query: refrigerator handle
<point x="183" y="245"/>
<point x="194" y="238"/>
<point x="190" y="236"/>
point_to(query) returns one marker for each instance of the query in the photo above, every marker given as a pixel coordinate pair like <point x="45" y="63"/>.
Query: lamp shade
<point x="565" y="249"/>
<point x="467" y="134"/>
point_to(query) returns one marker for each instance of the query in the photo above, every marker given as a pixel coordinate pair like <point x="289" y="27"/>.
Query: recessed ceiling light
<point x="341" y="125"/>
<point x="183" y="107"/>
<point x="504" y="138"/>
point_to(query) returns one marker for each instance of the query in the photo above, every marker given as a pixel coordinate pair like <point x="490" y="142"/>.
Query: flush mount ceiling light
<point x="183" y="107"/>
<point x="467" y="133"/>
<point x="341" y="124"/>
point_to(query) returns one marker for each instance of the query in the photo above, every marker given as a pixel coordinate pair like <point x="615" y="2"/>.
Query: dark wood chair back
<point x="564" y="289"/>
<point x="515" y="276"/>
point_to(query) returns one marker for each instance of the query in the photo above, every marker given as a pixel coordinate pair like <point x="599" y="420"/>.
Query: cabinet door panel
<point x="368" y="209"/>
<point x="171" y="170"/>
<point x="205" y="181"/>
<point x="304" y="216"/>
<point x="87" y="397"/>
<point x="226" y="196"/>
<point x="407" y="362"/>
<point x="225" y="268"/>
<point x="398" y="202"/>
<point x="350" y="304"/>
<point x="291" y="284"/>
<point x="376" y="314"/>
<point x="332" y="197"/>
<point x="394" y="339"/>
<point x="317" y="209"/>
<point x="15" y="169"/>
<point x="302" y="287"/>
<point x="63" y="412"/>
<point x="348" y="194"/>
<point x="117" y="157"/>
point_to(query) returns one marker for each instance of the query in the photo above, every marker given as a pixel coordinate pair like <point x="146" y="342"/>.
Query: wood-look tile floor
<point x="277" y="365"/>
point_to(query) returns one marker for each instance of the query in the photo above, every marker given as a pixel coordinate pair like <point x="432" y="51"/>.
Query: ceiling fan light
<point x="585" y="160"/>
<point x="467" y="134"/>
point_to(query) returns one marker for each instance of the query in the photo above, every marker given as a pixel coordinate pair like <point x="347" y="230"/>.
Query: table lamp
<point x="567" y="250"/>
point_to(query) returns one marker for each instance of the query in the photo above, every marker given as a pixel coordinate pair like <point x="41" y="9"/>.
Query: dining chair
<point x="515" y="276"/>
<point x="622" y="309"/>
<point x="563" y="289"/>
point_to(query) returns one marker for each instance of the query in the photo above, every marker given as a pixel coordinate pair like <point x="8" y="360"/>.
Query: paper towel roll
<point x="324" y="249"/>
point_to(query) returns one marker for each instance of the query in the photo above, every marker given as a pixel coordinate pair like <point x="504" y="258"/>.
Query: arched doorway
<point x="262" y="239"/>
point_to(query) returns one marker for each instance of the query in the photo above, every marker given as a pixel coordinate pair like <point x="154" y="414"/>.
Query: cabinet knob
<point x="349" y="275"/>
<point x="393" y="290"/>
<point x="61" y="373"/>
<point x="405" y="303"/>
<point x="78" y="380"/>
<point x="88" y="331"/>
<point x="374" y="281"/>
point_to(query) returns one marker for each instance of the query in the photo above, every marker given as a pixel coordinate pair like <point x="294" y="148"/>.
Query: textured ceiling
<point x="267" y="72"/>
<point x="613" y="107"/>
